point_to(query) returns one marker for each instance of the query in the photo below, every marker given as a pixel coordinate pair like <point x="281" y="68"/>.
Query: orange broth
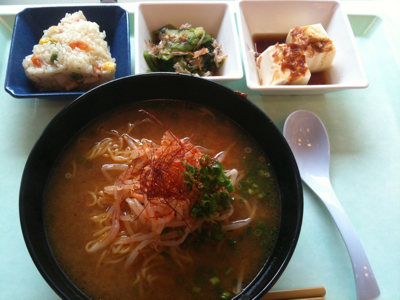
<point x="69" y="227"/>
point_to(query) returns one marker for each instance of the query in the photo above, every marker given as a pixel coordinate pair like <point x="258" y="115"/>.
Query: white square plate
<point x="278" y="17"/>
<point x="217" y="19"/>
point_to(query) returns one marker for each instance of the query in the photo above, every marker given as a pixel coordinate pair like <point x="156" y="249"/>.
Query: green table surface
<point x="364" y="130"/>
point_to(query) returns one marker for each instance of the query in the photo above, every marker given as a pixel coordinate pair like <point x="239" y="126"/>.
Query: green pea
<point x="53" y="57"/>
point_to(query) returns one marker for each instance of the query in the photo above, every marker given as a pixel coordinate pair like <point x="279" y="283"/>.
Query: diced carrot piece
<point x="79" y="44"/>
<point x="36" y="61"/>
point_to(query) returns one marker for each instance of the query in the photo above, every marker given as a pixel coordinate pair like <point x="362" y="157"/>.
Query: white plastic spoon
<point x="308" y="139"/>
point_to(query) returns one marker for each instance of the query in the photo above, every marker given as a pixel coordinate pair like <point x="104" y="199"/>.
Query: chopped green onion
<point x="208" y="179"/>
<point x="229" y="271"/>
<point x="213" y="271"/>
<point x="249" y="229"/>
<point x="225" y="296"/>
<point x="196" y="290"/>
<point x="234" y="281"/>
<point x="250" y="191"/>
<point x="164" y="254"/>
<point x="218" y="289"/>
<point x="232" y="242"/>
<point x="257" y="232"/>
<point x="68" y="175"/>
<point x="238" y="186"/>
<point x="201" y="270"/>
<point x="261" y="172"/>
<point x="214" y="280"/>
<point x="165" y="230"/>
<point x="260" y="225"/>
<point x="255" y="185"/>
<point x="80" y="160"/>
<point x="260" y="196"/>
<point x="248" y="150"/>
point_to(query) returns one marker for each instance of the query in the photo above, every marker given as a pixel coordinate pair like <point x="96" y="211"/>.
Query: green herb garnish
<point x="209" y="179"/>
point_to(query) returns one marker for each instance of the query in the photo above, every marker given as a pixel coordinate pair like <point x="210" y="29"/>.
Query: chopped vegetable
<point x="229" y="271"/>
<point x="185" y="50"/>
<point x="53" y="57"/>
<point x="196" y="290"/>
<point x="249" y="229"/>
<point x="216" y="232"/>
<point x="248" y="150"/>
<point x="164" y="254"/>
<point x="109" y="66"/>
<point x="261" y="225"/>
<point x="232" y="242"/>
<point x="257" y="232"/>
<point x="209" y="179"/>
<point x="79" y="44"/>
<point x="44" y="41"/>
<point x="36" y="61"/>
<point x="214" y="280"/>
<point x="80" y="159"/>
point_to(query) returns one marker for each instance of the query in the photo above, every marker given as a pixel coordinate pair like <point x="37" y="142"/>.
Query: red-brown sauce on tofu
<point x="263" y="41"/>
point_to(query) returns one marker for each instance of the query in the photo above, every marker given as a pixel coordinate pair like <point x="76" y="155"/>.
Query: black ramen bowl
<point x="158" y="86"/>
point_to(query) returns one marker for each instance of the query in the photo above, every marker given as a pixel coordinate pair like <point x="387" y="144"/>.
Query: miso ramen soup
<point x="162" y="200"/>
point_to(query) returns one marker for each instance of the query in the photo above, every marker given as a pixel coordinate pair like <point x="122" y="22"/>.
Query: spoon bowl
<point x="309" y="141"/>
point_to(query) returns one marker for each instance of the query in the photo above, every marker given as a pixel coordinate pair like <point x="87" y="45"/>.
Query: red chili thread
<point x="164" y="178"/>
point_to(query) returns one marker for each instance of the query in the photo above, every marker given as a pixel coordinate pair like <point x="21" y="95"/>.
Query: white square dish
<point x="278" y="17"/>
<point x="217" y="19"/>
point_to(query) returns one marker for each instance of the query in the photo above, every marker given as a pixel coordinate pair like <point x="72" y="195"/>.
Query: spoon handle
<point x="366" y="285"/>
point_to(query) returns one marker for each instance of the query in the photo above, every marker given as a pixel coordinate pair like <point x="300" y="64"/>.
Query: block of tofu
<point x="283" y="64"/>
<point x="319" y="48"/>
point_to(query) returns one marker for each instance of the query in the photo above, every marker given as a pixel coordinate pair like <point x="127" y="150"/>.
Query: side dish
<point x="307" y="50"/>
<point x="70" y="56"/>
<point x="185" y="50"/>
<point x="162" y="201"/>
<point x="318" y="47"/>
